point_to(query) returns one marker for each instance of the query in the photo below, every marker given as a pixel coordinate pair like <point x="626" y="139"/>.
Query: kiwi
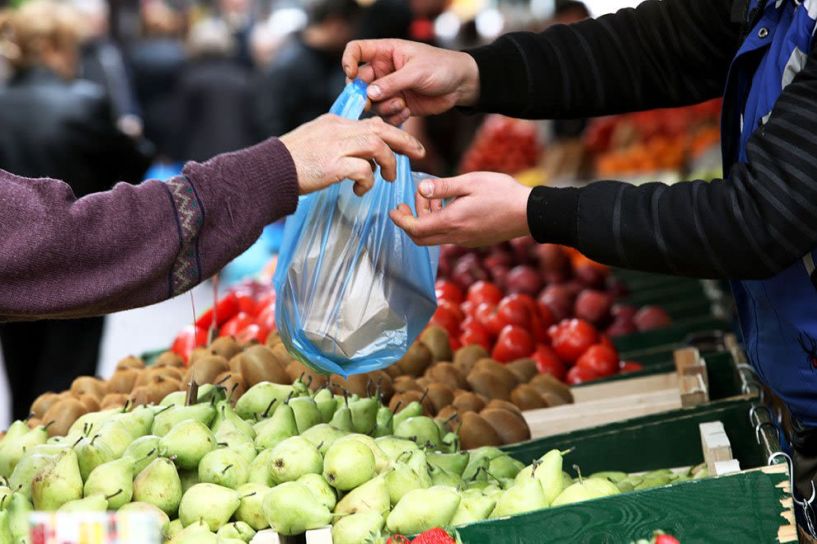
<point x="88" y="385"/>
<point x="436" y="340"/>
<point x="476" y="432"/>
<point x="273" y="339"/>
<point x="258" y="364"/>
<point x="280" y="354"/>
<point x="235" y="362"/>
<point x="526" y="397"/>
<point x="122" y="380"/>
<point x="33" y="423"/>
<point x="169" y="358"/>
<point x="130" y="361"/>
<point x="468" y="402"/>
<point x="416" y="360"/>
<point x="504" y="405"/>
<point x="205" y="369"/>
<point x="523" y="369"/>
<point x="61" y="415"/>
<point x="382" y="383"/>
<point x="90" y="402"/>
<point x="393" y="371"/>
<point x="440" y="396"/>
<point x="447" y="415"/>
<point x="405" y="383"/>
<point x="297" y="370"/>
<point x="545" y="383"/>
<point x="507" y="425"/>
<point x="198" y="353"/>
<point x="465" y="357"/>
<point x="486" y="382"/>
<point x="172" y="372"/>
<point x="226" y="346"/>
<point x="499" y="370"/>
<point x="360" y="385"/>
<point x="42" y="403"/>
<point x="233" y="383"/>
<point x="410" y="396"/>
<point x="447" y="374"/>
<point x="397" y="402"/>
<point x="423" y="383"/>
<point x="552" y="399"/>
<point x="113" y="400"/>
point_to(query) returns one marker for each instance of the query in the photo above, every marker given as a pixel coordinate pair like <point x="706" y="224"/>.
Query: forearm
<point x="134" y="245"/>
<point x="660" y="54"/>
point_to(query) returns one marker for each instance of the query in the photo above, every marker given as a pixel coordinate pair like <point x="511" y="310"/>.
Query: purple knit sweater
<point x="136" y="244"/>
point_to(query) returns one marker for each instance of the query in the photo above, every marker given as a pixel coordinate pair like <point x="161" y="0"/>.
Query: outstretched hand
<point x="487" y="208"/>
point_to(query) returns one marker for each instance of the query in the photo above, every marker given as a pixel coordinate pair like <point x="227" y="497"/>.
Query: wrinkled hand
<point x="331" y="149"/>
<point x="408" y="78"/>
<point x="488" y="208"/>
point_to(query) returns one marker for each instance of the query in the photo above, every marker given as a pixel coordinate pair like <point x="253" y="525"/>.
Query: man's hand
<point x="488" y="208"/>
<point x="331" y="149"/>
<point x="408" y="78"/>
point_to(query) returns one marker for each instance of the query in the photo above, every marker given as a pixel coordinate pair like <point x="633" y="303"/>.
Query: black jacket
<point x="64" y="130"/>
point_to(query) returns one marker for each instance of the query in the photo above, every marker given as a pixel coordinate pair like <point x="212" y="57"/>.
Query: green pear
<point x="584" y="490"/>
<point x="348" y="463"/>
<point x="189" y="478"/>
<point x="5" y="530"/>
<point x="91" y="503"/>
<point x="16" y="430"/>
<point x="394" y="447"/>
<point x="614" y="477"/>
<point x="228" y="421"/>
<point x="5" y="495"/>
<point x="260" y="471"/>
<point x="601" y="485"/>
<point x="57" y="483"/>
<point x="372" y="495"/>
<point x="412" y="409"/>
<point x="90" y="423"/>
<point x="324" y="493"/>
<point x="48" y="449"/>
<point x="210" y="503"/>
<point x="224" y="467"/>
<point x="505" y="466"/>
<point x="92" y="452"/>
<point x="549" y="474"/>
<point x="451" y="442"/>
<point x="454" y="463"/>
<point x="291" y="509"/>
<point x="187" y="442"/>
<point x="322" y="436"/>
<point x="383" y="422"/>
<point x="420" y="429"/>
<point x="257" y="400"/>
<point x="326" y="403"/>
<point x="116" y="436"/>
<point x="12" y="450"/>
<point x="19" y="509"/>
<point x="239" y="443"/>
<point x="423" y="509"/>
<point x="159" y="484"/>
<point x="114" y="478"/>
<point x="172" y="529"/>
<point x="250" y="510"/>
<point x="474" y="506"/>
<point x="178" y="398"/>
<point x="440" y="476"/>
<point x="236" y="530"/>
<point x="142" y="451"/>
<point x="173" y="415"/>
<point x="364" y="415"/>
<point x="306" y="412"/>
<point x="293" y="458"/>
<point x="196" y="533"/>
<point x="357" y="528"/>
<point x="280" y="426"/>
<point x="407" y="476"/>
<point x="161" y="518"/>
<point x="381" y="461"/>
<point x="342" y="418"/>
<point x="138" y="421"/>
<point x="25" y="471"/>
<point x="524" y="496"/>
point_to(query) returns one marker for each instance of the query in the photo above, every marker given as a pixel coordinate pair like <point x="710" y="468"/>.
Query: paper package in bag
<point x="353" y="290"/>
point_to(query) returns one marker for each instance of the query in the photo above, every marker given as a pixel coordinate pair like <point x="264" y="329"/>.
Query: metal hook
<point x="790" y="464"/>
<point x="753" y="418"/>
<point x="760" y="425"/>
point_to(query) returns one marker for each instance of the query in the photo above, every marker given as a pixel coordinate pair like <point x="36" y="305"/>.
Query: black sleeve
<point x="663" y="53"/>
<point x="751" y="225"/>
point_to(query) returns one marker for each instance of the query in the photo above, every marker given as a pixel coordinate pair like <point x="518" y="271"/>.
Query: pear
<point x="381" y="461"/>
<point x="25" y="471"/>
<point x="5" y="495"/>
<point x="319" y="487"/>
<point x="306" y="413"/>
<point x="413" y="409"/>
<point x="407" y="475"/>
<point x="189" y="478"/>
<point x="178" y="398"/>
<point x="258" y="398"/>
<point x="549" y="474"/>
<point x="57" y="483"/>
<point x="348" y="463"/>
<point x="505" y="466"/>
<point x="172" y="529"/>
<point x="364" y="415"/>
<point x="159" y="484"/>
<point x="326" y="403"/>
<point x="19" y="509"/>
<point x="91" y="503"/>
<point x="526" y="495"/>
<point x="187" y="442"/>
<point x="92" y="452"/>
<point x="228" y="421"/>
<point x="280" y="426"/>
<point x="342" y="418"/>
<point x="261" y="469"/>
<point x="138" y="421"/>
<point x="474" y="506"/>
<point x="116" y="436"/>
<point x="454" y="463"/>
<point x="567" y="480"/>
<point x="224" y="467"/>
<point x="293" y="458"/>
<point x="451" y="442"/>
<point x="161" y="518"/>
<point x="420" y="429"/>
<point x="384" y="422"/>
<point x="12" y="449"/>
<point x="142" y="451"/>
<point x="322" y="436"/>
<point x="291" y="509"/>
<point x="440" y="476"/>
<point x="196" y="533"/>
<point x="586" y="489"/>
<point x="89" y="424"/>
<point x="357" y="528"/>
<point x="17" y="429"/>
<point x="423" y="509"/>
<point x="614" y="477"/>
<point x="372" y="495"/>
<point x="49" y="448"/>
<point x="250" y="510"/>
<point x="5" y="530"/>
<point x="394" y="447"/>
<point x="601" y="485"/>
<point x="114" y="478"/>
<point x="210" y="503"/>
<point x="239" y="443"/>
<point x="236" y="530"/>
<point x="172" y="415"/>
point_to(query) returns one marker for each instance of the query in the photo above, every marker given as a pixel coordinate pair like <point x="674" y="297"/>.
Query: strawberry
<point x="434" y="536"/>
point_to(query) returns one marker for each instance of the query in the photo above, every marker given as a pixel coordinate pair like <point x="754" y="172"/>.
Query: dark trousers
<point x="47" y="355"/>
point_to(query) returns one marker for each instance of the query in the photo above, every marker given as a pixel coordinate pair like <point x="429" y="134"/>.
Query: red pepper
<point x="237" y="323"/>
<point x="189" y="339"/>
<point x="247" y="304"/>
<point x="266" y="318"/>
<point x="251" y="332"/>
<point x="226" y="308"/>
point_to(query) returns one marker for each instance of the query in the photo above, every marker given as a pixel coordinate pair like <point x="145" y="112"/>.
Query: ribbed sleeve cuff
<point x="553" y="215"/>
<point x="503" y="80"/>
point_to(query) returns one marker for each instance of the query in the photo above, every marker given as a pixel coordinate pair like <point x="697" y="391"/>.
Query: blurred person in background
<point x="156" y="59"/>
<point x="303" y="80"/>
<point x="213" y="96"/>
<point x="55" y="126"/>
<point x="103" y="63"/>
<point x="239" y="16"/>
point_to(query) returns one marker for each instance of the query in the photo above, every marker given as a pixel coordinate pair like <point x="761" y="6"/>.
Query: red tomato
<point x="247" y="304"/>
<point x="545" y="314"/>
<point x="539" y="330"/>
<point x="453" y="308"/>
<point x="474" y="333"/>
<point x="237" y="323"/>
<point x="547" y="362"/>
<point x="251" y="332"/>
<point x="630" y="366"/>
<point x="187" y="340"/>
<point x="666" y="539"/>
<point x="468" y="308"/>
<point x="488" y="318"/>
<point x="444" y="317"/>
<point x="604" y="340"/>
<point x="448" y="290"/>
<point x="483" y="291"/>
<point x="266" y="318"/>
<point x="571" y="337"/>
<point x="579" y="374"/>
<point x="226" y="308"/>
<point x="513" y="343"/>
<point x="600" y="359"/>
<point x="515" y="310"/>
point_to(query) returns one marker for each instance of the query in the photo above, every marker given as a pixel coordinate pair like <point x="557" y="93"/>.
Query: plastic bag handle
<point x="352" y="101"/>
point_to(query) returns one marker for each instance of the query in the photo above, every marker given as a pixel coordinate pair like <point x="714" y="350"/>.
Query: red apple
<point x="590" y="276"/>
<point x="523" y="248"/>
<point x="554" y="263"/>
<point x="651" y="317"/>
<point x="621" y="326"/>
<point x="524" y="279"/>
<point x="558" y="299"/>
<point x="468" y="270"/>
<point x="593" y="306"/>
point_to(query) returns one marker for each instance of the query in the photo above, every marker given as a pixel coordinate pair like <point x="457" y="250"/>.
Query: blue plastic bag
<point x="353" y="290"/>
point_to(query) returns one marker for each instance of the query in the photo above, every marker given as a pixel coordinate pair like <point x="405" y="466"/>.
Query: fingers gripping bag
<point x="353" y="290"/>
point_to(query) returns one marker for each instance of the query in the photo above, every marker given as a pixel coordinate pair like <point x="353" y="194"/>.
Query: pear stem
<point x="579" y="472"/>
<point x="150" y="453"/>
<point x="567" y="451"/>
<point x="248" y="495"/>
<point x="397" y="406"/>
<point x="269" y="407"/>
<point x="74" y="445"/>
<point x="289" y="397"/>
<point x="165" y="409"/>
<point x="536" y="464"/>
<point x="224" y="379"/>
<point x="228" y="467"/>
<point x="451" y="418"/>
<point x="109" y="497"/>
<point x="425" y="394"/>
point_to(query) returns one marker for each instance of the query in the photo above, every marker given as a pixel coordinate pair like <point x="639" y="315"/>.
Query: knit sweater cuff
<point x="553" y="215"/>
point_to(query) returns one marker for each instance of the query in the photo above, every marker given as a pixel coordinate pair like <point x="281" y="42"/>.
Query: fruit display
<point x="659" y="538"/>
<point x="503" y="144"/>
